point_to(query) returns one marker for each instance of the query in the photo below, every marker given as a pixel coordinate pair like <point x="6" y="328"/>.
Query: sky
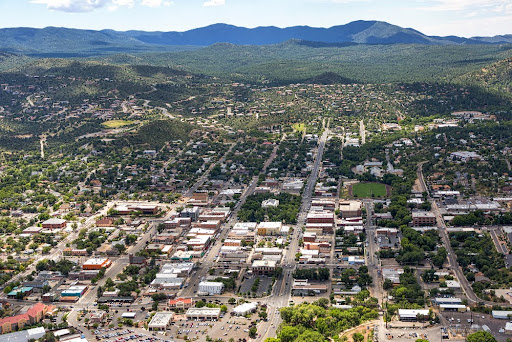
<point x="466" y="18"/>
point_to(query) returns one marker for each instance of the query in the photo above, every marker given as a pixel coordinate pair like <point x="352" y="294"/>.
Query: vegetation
<point x="314" y="322"/>
<point x="286" y="211"/>
<point x="363" y="190"/>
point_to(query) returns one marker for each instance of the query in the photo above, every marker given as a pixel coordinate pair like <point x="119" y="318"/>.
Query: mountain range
<point x="61" y="41"/>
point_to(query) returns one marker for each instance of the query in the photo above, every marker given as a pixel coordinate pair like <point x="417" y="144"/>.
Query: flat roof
<point x="129" y="315"/>
<point x="412" y="312"/>
<point x="161" y="319"/>
<point x="204" y="311"/>
<point x="96" y="261"/>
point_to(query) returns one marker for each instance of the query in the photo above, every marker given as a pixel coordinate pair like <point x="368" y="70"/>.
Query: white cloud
<point x="73" y="5"/>
<point x="472" y="5"/>
<point x="152" y="3"/>
<point x="128" y="3"/>
<point x="91" y="5"/>
<point x="212" y="3"/>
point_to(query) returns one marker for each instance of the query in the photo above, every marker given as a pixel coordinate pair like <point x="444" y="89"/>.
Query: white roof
<point x="95" y="261"/>
<point x="204" y="311"/>
<point x="211" y="283"/>
<point x="54" y="221"/>
<point x="270" y="225"/>
<point x="246" y="307"/>
<point x="61" y="332"/>
<point x="452" y="284"/>
<point x="262" y="263"/>
<point x="161" y="319"/>
<point x="129" y="315"/>
<point x="412" y="312"/>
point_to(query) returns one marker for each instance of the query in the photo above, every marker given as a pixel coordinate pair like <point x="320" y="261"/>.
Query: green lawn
<point x="364" y="190"/>
<point x="299" y="127"/>
<point x="116" y="123"/>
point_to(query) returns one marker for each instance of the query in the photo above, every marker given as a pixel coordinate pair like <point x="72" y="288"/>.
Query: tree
<point x="232" y="301"/>
<point x="48" y="337"/>
<point x="310" y="336"/>
<point x="358" y="337"/>
<point x="288" y="333"/>
<point x="481" y="336"/>
<point x="388" y="284"/>
<point x="252" y="332"/>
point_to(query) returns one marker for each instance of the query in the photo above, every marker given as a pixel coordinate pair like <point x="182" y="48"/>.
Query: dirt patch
<point x="365" y="329"/>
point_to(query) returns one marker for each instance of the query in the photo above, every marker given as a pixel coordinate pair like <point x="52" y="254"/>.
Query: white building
<point x="501" y="314"/>
<point x="211" y="287"/>
<point x="203" y="313"/>
<point x="161" y="320"/>
<point x="270" y="203"/>
<point x="411" y="315"/>
<point x="245" y="308"/>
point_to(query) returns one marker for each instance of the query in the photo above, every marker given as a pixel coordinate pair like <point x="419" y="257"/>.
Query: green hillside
<point x="298" y="61"/>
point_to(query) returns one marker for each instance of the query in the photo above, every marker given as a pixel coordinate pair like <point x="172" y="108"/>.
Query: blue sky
<point x="434" y="17"/>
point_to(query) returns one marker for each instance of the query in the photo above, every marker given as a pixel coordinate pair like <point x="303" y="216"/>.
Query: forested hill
<point x="497" y="76"/>
<point x="65" y="42"/>
<point x="303" y="61"/>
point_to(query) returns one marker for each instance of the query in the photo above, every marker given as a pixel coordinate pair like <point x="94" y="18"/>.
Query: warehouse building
<point x="412" y="315"/>
<point x="450" y="300"/>
<point x="498" y="314"/>
<point x="453" y="307"/>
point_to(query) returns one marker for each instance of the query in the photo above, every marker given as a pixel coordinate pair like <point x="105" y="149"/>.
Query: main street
<point x="281" y="292"/>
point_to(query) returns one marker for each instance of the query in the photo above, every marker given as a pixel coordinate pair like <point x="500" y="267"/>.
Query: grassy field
<point x="116" y="123"/>
<point x="299" y="127"/>
<point x="368" y="190"/>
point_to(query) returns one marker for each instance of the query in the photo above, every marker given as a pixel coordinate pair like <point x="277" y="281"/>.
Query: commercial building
<point x="320" y="217"/>
<point x="350" y="208"/>
<point x="303" y="287"/>
<point x="160" y="321"/>
<point x="74" y="291"/>
<point x="181" y="303"/>
<point x="423" y="218"/>
<point x="54" y="223"/>
<point x="263" y="267"/>
<point x="412" y="315"/>
<point x="392" y="274"/>
<point x="269" y="228"/>
<point x="211" y="287"/>
<point x="203" y="313"/>
<point x="96" y="264"/>
<point x="246" y="308"/>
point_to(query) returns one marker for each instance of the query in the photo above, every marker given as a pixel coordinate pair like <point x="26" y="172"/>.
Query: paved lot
<point x="265" y="282"/>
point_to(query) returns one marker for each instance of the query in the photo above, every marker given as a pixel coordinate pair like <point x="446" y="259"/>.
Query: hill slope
<point x="64" y="42"/>
<point x="497" y="76"/>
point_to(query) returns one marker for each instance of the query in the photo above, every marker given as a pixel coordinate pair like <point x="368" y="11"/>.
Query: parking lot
<point x="124" y="335"/>
<point x="265" y="282"/>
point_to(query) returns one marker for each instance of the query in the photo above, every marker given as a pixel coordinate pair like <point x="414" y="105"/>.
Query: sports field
<point x="366" y="190"/>
<point x="116" y="123"/>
